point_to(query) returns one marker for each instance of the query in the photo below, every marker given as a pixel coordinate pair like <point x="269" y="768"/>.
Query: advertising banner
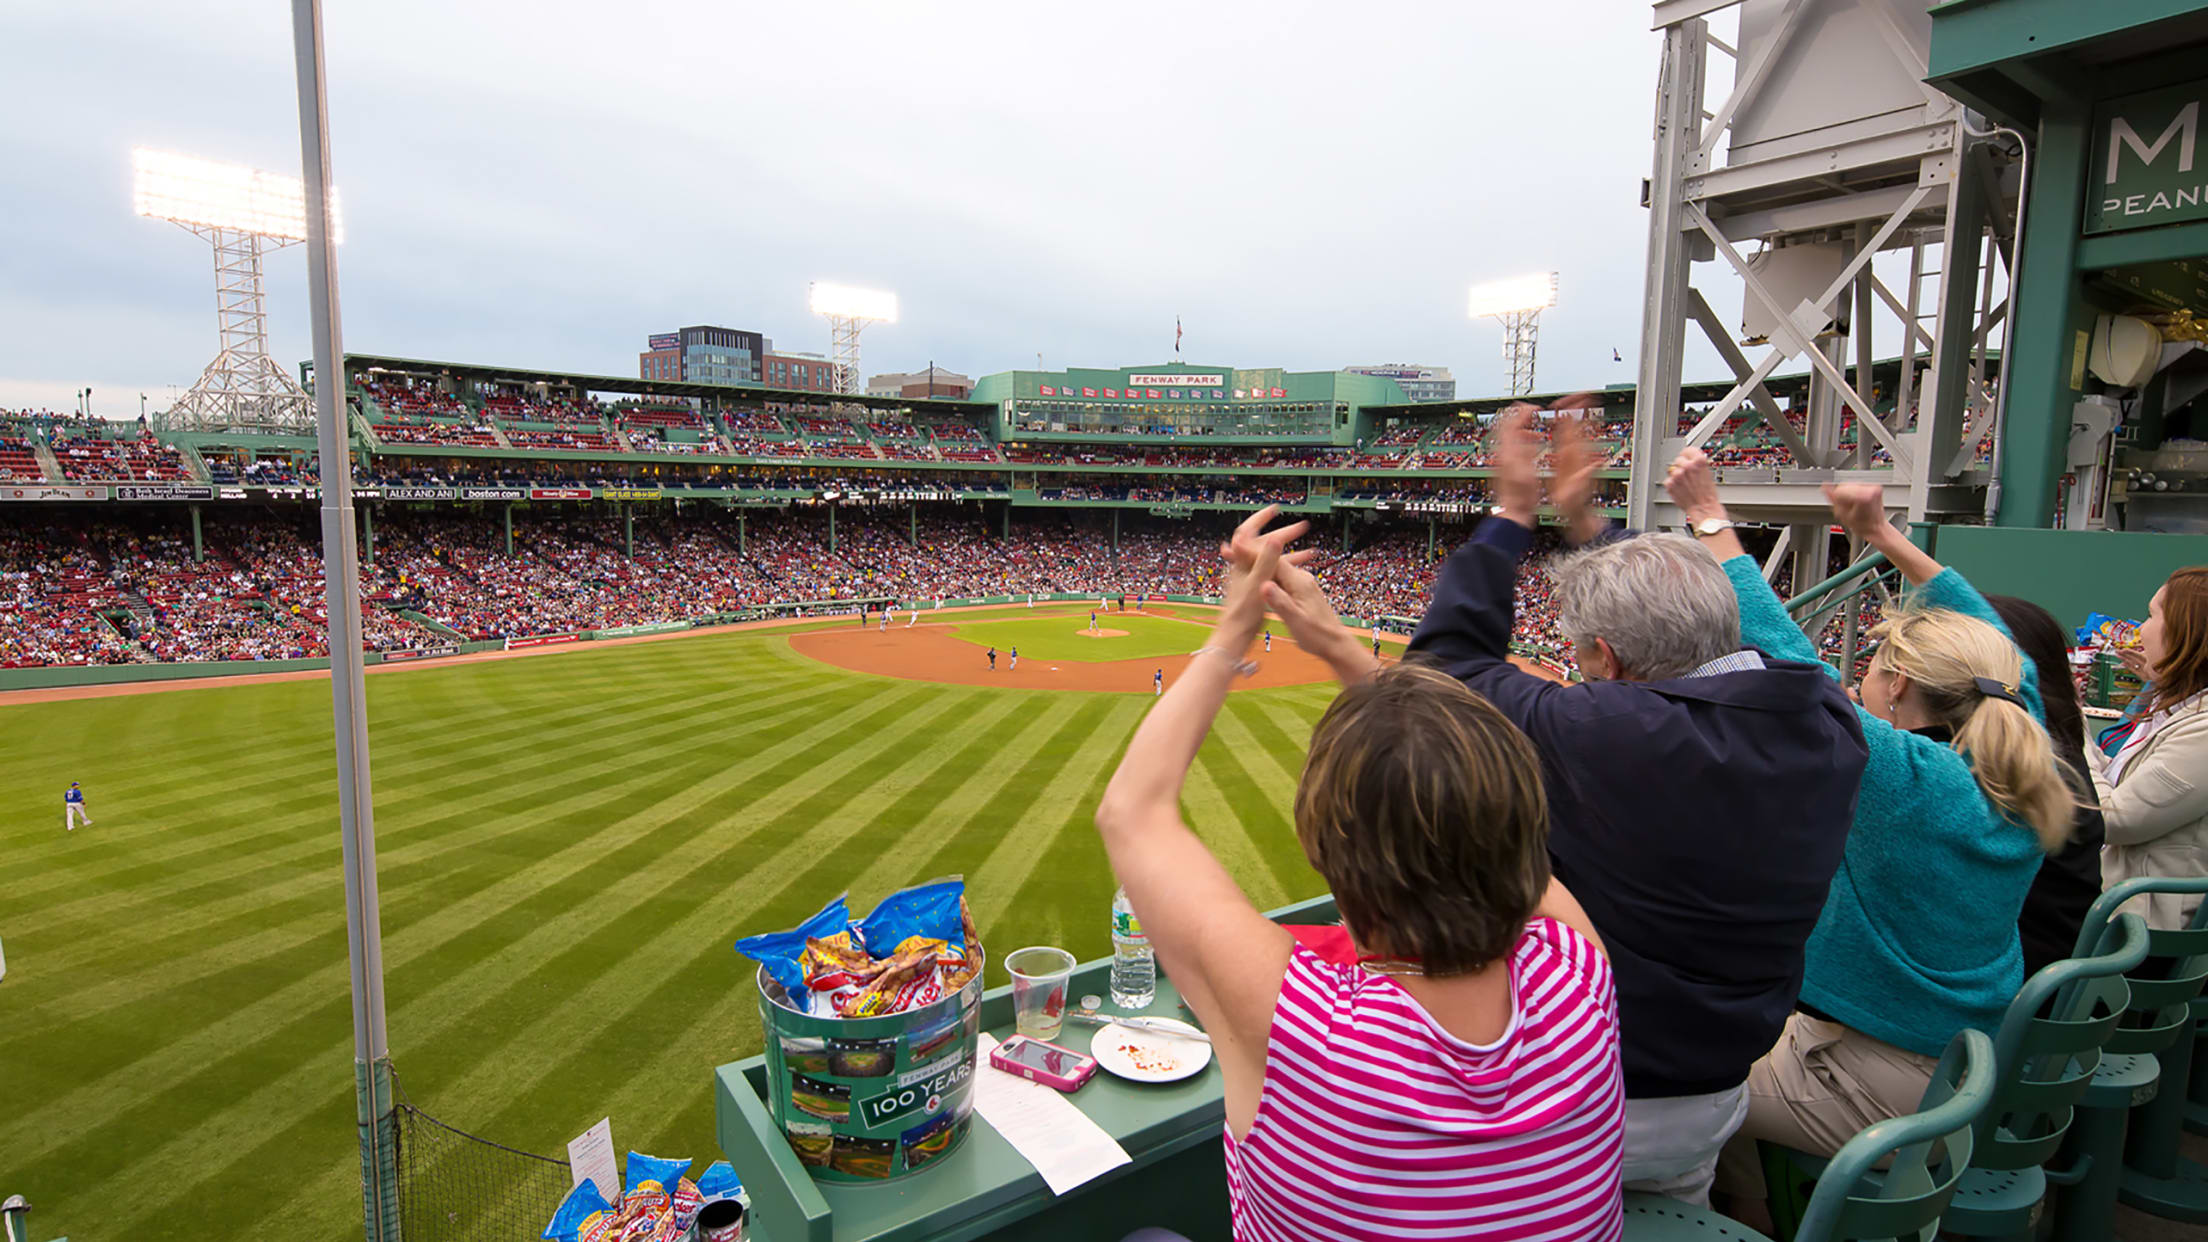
<point x="664" y="340"/>
<point x="654" y="627"/>
<point x="540" y="640"/>
<point x="628" y="493"/>
<point x="559" y="493"/>
<point x="420" y="653"/>
<point x="2143" y="171"/>
<point x="418" y="493"/>
<point x="492" y="493"/>
<point x="164" y="491"/>
<point x="53" y="492"/>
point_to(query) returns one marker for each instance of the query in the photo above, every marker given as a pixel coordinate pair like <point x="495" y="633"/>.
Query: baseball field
<point x="569" y="843"/>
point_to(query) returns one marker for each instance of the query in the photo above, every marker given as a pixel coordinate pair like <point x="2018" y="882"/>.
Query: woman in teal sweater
<point x="1961" y="799"/>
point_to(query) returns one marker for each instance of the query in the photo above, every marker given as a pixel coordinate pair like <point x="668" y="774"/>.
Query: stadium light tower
<point x="848" y="311"/>
<point x="246" y="214"/>
<point x="1517" y="302"/>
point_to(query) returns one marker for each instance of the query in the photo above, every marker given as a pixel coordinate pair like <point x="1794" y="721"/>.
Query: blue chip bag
<point x="584" y="1216"/>
<point x="719" y="1181"/>
<point x="779" y="951"/>
<point x="929" y="911"/>
<point x="650" y="1175"/>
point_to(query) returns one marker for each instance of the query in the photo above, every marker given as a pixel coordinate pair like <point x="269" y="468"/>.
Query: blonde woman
<point x="1960" y="801"/>
<point x="2153" y="778"/>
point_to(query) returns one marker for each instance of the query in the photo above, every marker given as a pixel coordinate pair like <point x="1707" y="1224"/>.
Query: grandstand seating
<point x="19" y="461"/>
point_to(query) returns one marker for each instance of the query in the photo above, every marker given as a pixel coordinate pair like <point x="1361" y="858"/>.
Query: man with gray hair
<point x="1699" y="792"/>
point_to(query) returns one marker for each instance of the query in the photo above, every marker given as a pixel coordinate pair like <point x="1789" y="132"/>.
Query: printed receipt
<point x="1043" y="1125"/>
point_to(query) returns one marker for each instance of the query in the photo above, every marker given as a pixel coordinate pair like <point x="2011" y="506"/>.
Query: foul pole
<point x="372" y="1091"/>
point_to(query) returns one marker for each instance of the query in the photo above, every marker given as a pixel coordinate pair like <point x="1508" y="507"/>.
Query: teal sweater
<point x="1918" y="936"/>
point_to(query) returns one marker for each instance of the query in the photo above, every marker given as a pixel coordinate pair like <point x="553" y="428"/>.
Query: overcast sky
<point x="543" y="184"/>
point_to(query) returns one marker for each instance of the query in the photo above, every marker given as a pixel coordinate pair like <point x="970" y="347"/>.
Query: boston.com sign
<point x="2145" y="165"/>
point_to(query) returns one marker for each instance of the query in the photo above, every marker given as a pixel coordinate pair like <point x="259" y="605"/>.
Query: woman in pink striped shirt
<point x="1455" y="1073"/>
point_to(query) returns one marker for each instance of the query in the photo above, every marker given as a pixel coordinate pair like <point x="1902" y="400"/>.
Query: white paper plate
<point x="1157" y="1057"/>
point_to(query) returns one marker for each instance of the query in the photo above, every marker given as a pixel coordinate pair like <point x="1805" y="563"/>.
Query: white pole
<point x="348" y="690"/>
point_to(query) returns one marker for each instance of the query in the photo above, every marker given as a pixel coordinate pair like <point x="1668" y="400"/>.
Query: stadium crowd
<point x="123" y="587"/>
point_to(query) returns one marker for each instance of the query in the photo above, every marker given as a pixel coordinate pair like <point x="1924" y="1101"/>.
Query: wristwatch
<point x="1711" y="526"/>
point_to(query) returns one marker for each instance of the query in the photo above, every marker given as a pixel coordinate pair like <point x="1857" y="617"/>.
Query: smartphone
<point x="1047" y="1064"/>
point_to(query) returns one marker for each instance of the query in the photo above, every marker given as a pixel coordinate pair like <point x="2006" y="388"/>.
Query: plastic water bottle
<point x="1134" y="970"/>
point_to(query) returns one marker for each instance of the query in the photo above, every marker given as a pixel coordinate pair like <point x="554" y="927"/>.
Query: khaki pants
<point x="1817" y="1089"/>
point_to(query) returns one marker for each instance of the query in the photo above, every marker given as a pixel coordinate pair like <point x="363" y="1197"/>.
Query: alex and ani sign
<point x="2145" y="168"/>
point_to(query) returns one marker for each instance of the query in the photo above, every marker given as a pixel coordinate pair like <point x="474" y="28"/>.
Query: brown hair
<point x="1943" y="653"/>
<point x="1422" y="806"/>
<point x="2183" y="671"/>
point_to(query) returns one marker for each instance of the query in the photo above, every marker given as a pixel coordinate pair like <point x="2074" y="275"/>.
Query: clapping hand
<point x="1860" y="508"/>
<point x="1517" y="481"/>
<point x="1253" y="556"/>
<point x="1692" y="487"/>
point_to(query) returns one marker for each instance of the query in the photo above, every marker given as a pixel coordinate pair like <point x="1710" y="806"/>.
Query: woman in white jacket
<point x="2153" y="779"/>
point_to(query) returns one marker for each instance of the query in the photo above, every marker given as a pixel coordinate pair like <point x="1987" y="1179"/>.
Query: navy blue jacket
<point x="1699" y="821"/>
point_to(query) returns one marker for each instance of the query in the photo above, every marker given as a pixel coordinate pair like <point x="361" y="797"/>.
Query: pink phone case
<point x="1083" y="1066"/>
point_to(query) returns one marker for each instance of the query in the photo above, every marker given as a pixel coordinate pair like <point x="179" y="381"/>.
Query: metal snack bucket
<point x="872" y="1099"/>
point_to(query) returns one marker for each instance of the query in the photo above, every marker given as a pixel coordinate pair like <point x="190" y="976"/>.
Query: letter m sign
<point x="2145" y="148"/>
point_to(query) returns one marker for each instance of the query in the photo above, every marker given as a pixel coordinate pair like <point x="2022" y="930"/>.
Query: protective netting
<point x="458" y="1187"/>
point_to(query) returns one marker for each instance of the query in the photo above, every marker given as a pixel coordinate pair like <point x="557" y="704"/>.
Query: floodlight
<point x="201" y="193"/>
<point x="845" y="302"/>
<point x="849" y="310"/>
<point x="245" y="213"/>
<point x="1536" y="292"/>
<point x="1518" y="301"/>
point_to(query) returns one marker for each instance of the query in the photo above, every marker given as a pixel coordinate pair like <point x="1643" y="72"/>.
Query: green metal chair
<point x="2140" y="1086"/>
<point x="2046" y="1050"/>
<point x="1925" y="1152"/>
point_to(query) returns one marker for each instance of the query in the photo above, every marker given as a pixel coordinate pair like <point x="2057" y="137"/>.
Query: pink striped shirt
<point x="1375" y="1123"/>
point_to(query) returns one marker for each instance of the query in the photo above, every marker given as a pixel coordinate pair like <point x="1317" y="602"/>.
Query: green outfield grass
<point x="1062" y="637"/>
<point x="569" y="844"/>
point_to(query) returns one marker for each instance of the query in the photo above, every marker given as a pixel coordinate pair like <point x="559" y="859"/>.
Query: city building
<point x="806" y="372"/>
<point x="933" y="382"/>
<point x="704" y="355"/>
<point x="1419" y="383"/>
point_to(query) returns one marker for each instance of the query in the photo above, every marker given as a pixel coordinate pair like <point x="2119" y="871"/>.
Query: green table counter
<point x="985" y="1189"/>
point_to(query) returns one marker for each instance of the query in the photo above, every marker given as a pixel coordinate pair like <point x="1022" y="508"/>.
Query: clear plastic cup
<point x="1040" y="977"/>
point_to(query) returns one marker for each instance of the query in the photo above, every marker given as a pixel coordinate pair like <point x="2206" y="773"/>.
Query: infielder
<point x="1015" y="657"/>
<point x="1157" y="683"/>
<point x="72" y="809"/>
<point x="992" y="659"/>
<point x="885" y="620"/>
<point x="1092" y="623"/>
<point x="911" y="615"/>
<point x="1268" y="640"/>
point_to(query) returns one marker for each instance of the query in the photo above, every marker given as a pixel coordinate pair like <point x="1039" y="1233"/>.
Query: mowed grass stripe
<point x="1208" y="815"/>
<point x="310" y="783"/>
<point x="302" y="865"/>
<point x="1258" y="811"/>
<point x="568" y="846"/>
<point x="539" y="883"/>
<point x="623" y="944"/>
<point x="220" y="969"/>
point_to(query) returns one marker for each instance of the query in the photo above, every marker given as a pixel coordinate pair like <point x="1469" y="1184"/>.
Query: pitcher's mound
<point x="1102" y="633"/>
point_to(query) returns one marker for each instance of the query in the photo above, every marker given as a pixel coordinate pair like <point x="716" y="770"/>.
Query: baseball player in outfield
<point x="72" y="808"/>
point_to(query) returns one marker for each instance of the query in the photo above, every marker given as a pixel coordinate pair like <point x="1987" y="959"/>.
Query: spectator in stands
<point x="1460" y="1050"/>
<point x="1700" y="794"/>
<point x="2153" y="776"/>
<point x="2068" y="881"/>
<point x="1960" y="802"/>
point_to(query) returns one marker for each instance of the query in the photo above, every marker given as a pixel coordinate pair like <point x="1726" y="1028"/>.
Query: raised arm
<point x="1764" y="623"/>
<point x="1226" y="958"/>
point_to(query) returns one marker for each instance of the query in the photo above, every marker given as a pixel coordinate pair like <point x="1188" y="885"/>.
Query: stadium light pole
<point x="246" y="214"/>
<point x="1516" y="302"/>
<point x="848" y="311"/>
<point x="375" y="1111"/>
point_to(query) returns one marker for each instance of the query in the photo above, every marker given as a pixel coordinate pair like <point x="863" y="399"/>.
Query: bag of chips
<point x="584" y="1216"/>
<point x="782" y="953"/>
<point x="911" y="980"/>
<point x="719" y="1181"/>
<point x="687" y="1201"/>
<point x="930" y="911"/>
